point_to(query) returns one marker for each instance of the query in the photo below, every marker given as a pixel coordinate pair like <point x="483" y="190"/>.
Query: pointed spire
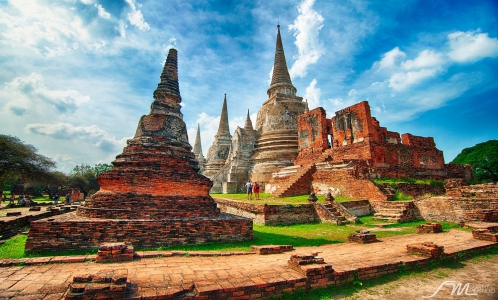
<point x="280" y="74"/>
<point x="248" y="124"/>
<point x="223" y="127"/>
<point x="197" y="144"/>
<point x="306" y="109"/>
<point x="169" y="76"/>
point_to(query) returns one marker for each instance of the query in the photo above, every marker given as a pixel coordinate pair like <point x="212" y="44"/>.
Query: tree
<point x="483" y="157"/>
<point x="57" y="182"/>
<point x="101" y="168"/>
<point x="83" y="178"/>
<point x="20" y="160"/>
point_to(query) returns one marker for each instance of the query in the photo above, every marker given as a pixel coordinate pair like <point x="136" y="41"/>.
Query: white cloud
<point x="102" y="12"/>
<point x="471" y="46"/>
<point x="400" y="81"/>
<point x="89" y="134"/>
<point x="389" y="58"/>
<point x="136" y="17"/>
<point x="306" y="28"/>
<point x="64" y="161"/>
<point x="32" y="89"/>
<point x="313" y="94"/>
<point x="425" y="59"/>
<point x="352" y="93"/>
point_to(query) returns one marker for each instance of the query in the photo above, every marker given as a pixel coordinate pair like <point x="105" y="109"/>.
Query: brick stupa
<point x="154" y="196"/>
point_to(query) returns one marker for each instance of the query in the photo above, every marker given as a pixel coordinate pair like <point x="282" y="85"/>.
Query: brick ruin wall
<point x="356" y="135"/>
<point x="270" y="214"/>
<point x="313" y="140"/>
<point x="344" y="183"/>
<point x="359" y="207"/>
<point x="11" y="226"/>
<point x="72" y="232"/>
<point x="415" y="190"/>
<point x="453" y="209"/>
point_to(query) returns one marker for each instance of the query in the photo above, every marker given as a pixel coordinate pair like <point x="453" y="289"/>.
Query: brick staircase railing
<point x="327" y="213"/>
<point x="226" y="165"/>
<point x="297" y="183"/>
<point x="344" y="212"/>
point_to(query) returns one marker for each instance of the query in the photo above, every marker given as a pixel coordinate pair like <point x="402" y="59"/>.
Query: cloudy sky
<point x="76" y="75"/>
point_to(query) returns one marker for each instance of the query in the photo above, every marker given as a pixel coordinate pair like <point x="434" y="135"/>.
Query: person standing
<point x="249" y="190"/>
<point x="256" y="190"/>
<point x="68" y="198"/>
<point x="56" y="198"/>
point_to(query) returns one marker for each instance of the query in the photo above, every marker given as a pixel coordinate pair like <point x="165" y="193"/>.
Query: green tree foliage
<point x="483" y="157"/>
<point x="101" y="168"/>
<point x="56" y="184"/>
<point x="19" y="160"/>
<point x="84" y="178"/>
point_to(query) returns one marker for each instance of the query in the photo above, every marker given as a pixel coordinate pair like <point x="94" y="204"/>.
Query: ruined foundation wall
<point x="270" y="214"/>
<point x="358" y="208"/>
<point x="80" y="233"/>
<point x="452" y="209"/>
<point x="341" y="182"/>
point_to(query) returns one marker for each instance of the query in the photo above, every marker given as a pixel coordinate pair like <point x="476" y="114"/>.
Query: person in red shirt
<point x="256" y="190"/>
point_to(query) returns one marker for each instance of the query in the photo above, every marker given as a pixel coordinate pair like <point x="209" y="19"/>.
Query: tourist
<point x="28" y="201"/>
<point x="20" y="201"/>
<point x="249" y="190"/>
<point x="68" y="198"/>
<point x="256" y="190"/>
<point x="56" y="198"/>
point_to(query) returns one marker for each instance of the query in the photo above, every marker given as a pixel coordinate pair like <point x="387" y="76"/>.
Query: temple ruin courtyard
<point x="202" y="275"/>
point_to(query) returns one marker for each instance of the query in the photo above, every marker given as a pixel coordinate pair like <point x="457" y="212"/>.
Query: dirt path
<point x="481" y="274"/>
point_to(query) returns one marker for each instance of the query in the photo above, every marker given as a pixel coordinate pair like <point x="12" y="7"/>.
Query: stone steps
<point x="294" y="179"/>
<point x="399" y="211"/>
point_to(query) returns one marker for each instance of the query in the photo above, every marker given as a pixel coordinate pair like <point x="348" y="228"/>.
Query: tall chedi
<point x="219" y="150"/>
<point x="198" y="150"/>
<point x="277" y="143"/>
<point x="153" y="196"/>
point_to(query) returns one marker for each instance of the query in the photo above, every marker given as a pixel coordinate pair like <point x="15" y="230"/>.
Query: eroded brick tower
<point x="277" y="143"/>
<point x="154" y="195"/>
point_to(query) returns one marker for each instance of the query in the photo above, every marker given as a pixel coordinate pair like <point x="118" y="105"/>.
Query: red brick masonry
<point x="428" y="249"/>
<point x="114" y="252"/>
<point x="106" y="284"/>
<point x="69" y="230"/>
<point x="429" y="228"/>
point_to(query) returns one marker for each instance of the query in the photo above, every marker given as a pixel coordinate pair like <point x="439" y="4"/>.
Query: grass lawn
<point x="270" y="199"/>
<point x="298" y="235"/>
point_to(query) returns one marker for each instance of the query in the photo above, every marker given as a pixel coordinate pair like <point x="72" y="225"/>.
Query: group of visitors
<point x="252" y="188"/>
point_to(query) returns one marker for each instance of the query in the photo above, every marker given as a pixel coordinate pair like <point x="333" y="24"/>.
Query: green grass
<point x="400" y="196"/>
<point x="14" y="247"/>
<point x="299" y="235"/>
<point x="408" y="180"/>
<point x="270" y="199"/>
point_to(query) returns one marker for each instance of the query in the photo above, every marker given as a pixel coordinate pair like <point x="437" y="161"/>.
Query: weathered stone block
<point x="429" y="228"/>
<point x="428" y="249"/>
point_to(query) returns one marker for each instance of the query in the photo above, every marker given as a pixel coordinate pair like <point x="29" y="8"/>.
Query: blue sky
<point x="76" y="75"/>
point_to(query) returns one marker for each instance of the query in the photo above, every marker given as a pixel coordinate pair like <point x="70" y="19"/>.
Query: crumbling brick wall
<point x="270" y="214"/>
<point x="452" y="209"/>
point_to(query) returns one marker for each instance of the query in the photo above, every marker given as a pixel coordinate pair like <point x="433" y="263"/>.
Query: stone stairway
<point x="329" y="214"/>
<point x="287" y="185"/>
<point x="297" y="183"/>
<point x="396" y="211"/>
<point x="387" y="190"/>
